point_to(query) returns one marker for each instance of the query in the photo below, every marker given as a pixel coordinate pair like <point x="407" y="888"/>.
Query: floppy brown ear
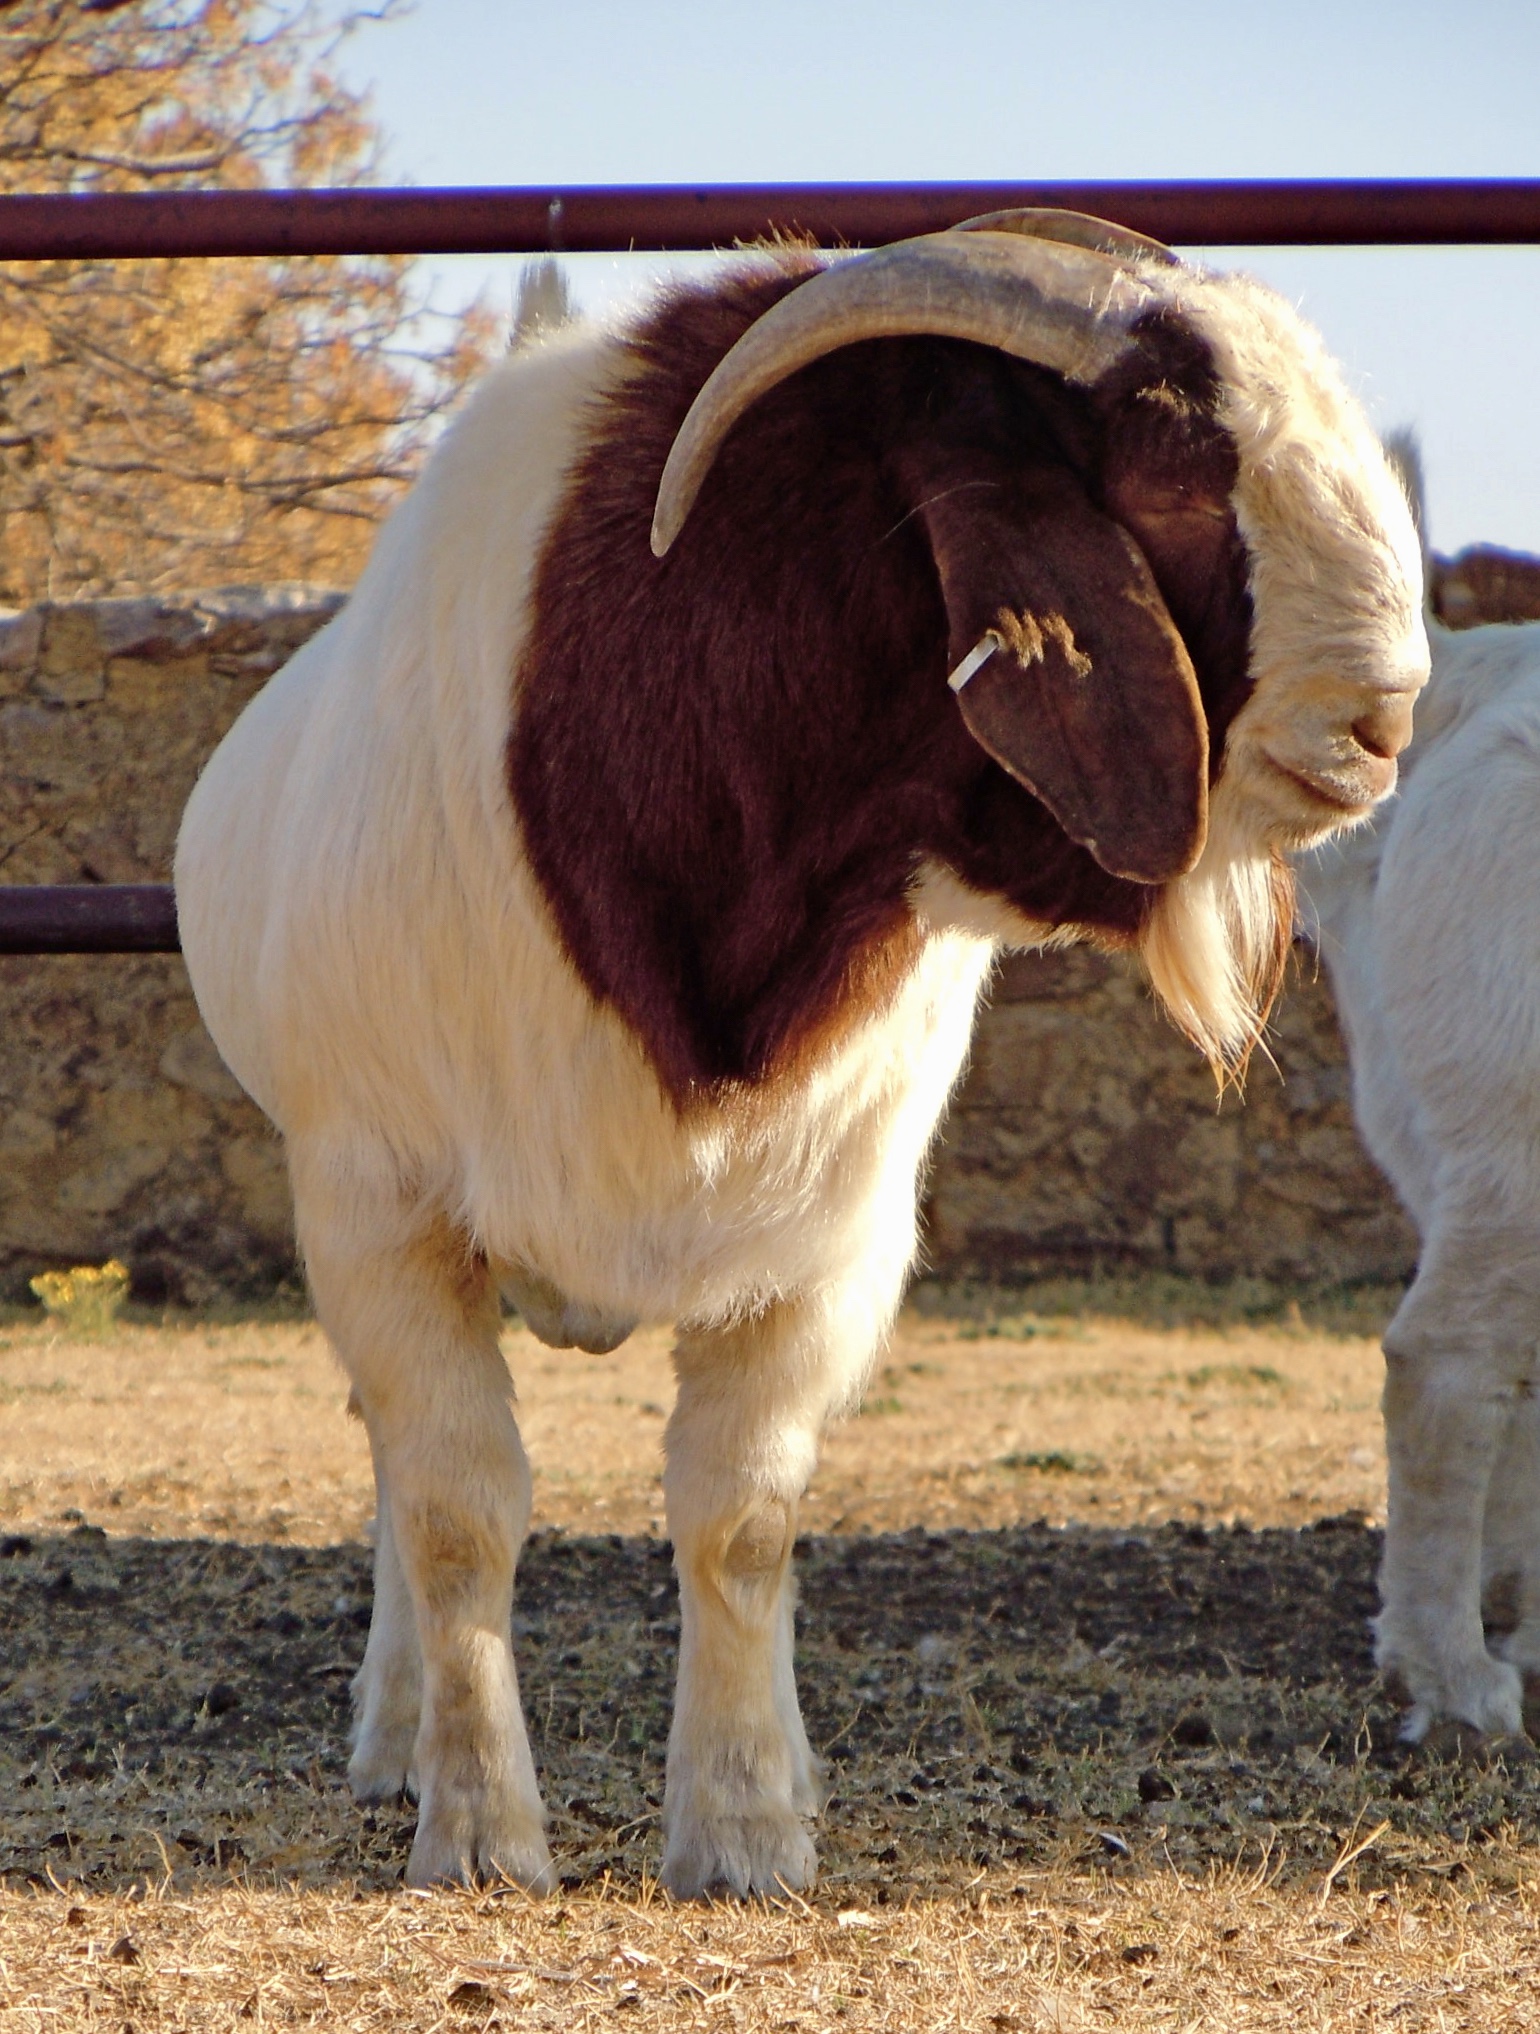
<point x="1091" y="699"/>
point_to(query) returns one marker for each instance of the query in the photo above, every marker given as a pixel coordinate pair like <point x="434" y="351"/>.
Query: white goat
<point x="609" y="925"/>
<point x="1428" y="922"/>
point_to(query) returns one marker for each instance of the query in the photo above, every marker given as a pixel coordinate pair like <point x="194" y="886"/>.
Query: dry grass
<point x="1089" y="1773"/>
<point x="1060" y="1949"/>
<point x="983" y="1413"/>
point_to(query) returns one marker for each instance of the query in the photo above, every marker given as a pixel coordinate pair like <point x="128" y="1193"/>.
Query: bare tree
<point x="169" y="423"/>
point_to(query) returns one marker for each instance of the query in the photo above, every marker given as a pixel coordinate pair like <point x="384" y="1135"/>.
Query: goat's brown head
<point x="1189" y="624"/>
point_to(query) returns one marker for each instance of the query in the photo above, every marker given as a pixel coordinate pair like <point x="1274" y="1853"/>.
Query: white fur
<point x="1429" y="924"/>
<point x="1337" y="639"/>
<point x="379" y="968"/>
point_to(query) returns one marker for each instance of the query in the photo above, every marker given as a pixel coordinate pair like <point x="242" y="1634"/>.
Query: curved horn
<point x="1074" y="229"/>
<point x="1061" y="306"/>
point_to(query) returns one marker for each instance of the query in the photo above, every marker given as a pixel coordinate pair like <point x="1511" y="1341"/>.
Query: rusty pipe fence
<point x="580" y="219"/>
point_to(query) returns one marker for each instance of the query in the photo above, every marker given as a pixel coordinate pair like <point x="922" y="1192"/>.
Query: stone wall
<point x="1086" y="1134"/>
<point x="121" y="1134"/>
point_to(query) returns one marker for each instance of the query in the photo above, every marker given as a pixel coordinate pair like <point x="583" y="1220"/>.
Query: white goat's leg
<point x="1511" y="1549"/>
<point x="414" y="1317"/>
<point x="1454" y="1360"/>
<point x="387" y="1689"/>
<point x="741" y="1445"/>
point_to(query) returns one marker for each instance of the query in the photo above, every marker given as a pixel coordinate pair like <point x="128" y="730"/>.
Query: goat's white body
<point x="1429" y="923"/>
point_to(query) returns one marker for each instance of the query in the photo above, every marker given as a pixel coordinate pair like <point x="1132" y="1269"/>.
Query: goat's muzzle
<point x="1343" y="774"/>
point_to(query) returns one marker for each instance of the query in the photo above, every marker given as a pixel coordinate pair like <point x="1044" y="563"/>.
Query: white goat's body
<point x="1430" y="927"/>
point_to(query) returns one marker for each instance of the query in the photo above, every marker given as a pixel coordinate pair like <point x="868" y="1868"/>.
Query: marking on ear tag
<point x="979" y="655"/>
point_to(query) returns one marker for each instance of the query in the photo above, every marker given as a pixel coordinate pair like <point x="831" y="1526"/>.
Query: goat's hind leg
<point x="413" y="1314"/>
<point x="387" y="1689"/>
<point x="1455" y="1360"/>
<point x="1511" y="1549"/>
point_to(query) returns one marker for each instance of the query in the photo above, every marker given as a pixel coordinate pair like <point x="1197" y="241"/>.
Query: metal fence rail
<point x="88" y="918"/>
<point x="141" y="917"/>
<point x="580" y="219"/>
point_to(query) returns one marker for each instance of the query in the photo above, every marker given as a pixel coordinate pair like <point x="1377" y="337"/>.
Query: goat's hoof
<point x="459" y="1849"/>
<point x="1512" y="1750"/>
<point x="382" y="1772"/>
<point x="1461" y="1704"/>
<point x="766" y="1854"/>
<point x="1452" y="1742"/>
<point x="1458" y="1743"/>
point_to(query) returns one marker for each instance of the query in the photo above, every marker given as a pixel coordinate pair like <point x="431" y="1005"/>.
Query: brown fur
<point x="728" y="764"/>
<point x="1091" y="702"/>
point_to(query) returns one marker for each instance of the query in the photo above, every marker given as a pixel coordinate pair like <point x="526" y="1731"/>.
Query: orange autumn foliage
<point x="174" y="424"/>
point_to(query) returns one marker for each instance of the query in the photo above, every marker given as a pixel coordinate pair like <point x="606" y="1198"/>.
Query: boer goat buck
<point x="1430" y="928"/>
<point x="599" y="905"/>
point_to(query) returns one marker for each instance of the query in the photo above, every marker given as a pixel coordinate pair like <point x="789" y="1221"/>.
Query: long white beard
<point x="1216" y="942"/>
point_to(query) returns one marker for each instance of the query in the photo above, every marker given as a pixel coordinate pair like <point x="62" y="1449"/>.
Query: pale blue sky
<point x="663" y="91"/>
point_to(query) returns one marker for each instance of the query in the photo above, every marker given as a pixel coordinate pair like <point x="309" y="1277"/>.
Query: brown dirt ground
<point x="982" y="1414"/>
<point x="1083" y="1641"/>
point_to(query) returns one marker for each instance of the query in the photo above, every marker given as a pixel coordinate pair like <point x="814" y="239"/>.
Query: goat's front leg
<point x="741" y="1446"/>
<point x="415" y="1321"/>
<point x="1455" y="1357"/>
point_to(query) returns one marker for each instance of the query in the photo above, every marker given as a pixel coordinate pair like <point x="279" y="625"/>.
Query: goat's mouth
<point x="1346" y="794"/>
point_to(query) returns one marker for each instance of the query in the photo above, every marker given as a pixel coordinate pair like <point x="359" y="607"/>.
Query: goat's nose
<point x="1386" y="728"/>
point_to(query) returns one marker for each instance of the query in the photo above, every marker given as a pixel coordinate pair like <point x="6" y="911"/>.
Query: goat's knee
<point x="754" y="1559"/>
